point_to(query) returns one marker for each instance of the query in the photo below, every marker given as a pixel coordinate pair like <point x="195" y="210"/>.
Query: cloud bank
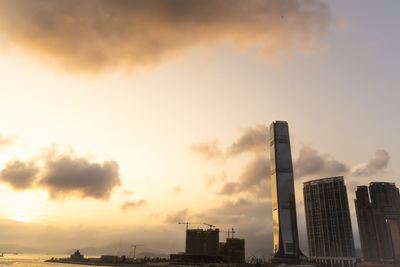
<point x="311" y="163"/>
<point x="19" y="175"/>
<point x="374" y="165"/>
<point x="66" y="175"/>
<point x="95" y="35"/>
<point x="63" y="175"/>
<point x="253" y="139"/>
<point x="254" y="179"/>
<point x="253" y="182"/>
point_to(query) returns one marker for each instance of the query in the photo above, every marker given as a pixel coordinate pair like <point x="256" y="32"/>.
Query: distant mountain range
<point x="17" y="248"/>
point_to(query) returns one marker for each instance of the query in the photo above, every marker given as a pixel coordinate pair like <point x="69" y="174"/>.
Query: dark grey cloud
<point x="63" y="175"/>
<point x="101" y="34"/>
<point x="311" y="163"/>
<point x="67" y="176"/>
<point x="19" y="175"/>
<point x="374" y="165"/>
<point x="131" y="205"/>
<point x="254" y="139"/>
<point x="207" y="150"/>
<point x="254" y="179"/>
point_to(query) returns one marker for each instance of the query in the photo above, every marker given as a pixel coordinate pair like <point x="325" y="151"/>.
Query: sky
<point x="122" y="118"/>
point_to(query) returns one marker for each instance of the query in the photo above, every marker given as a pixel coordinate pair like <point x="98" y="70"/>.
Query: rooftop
<point x="324" y="180"/>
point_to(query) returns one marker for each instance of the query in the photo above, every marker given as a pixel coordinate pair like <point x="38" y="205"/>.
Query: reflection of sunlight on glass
<point x="20" y="217"/>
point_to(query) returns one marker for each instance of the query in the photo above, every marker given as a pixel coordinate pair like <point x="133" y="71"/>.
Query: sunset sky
<point x="121" y="118"/>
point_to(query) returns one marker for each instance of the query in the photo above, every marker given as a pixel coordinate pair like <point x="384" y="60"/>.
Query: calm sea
<point x="33" y="260"/>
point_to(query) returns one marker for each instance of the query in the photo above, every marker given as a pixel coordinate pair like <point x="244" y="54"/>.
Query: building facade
<point x="202" y="242"/>
<point x="233" y="250"/>
<point x="366" y="225"/>
<point x="329" y="232"/>
<point x="286" y="240"/>
<point x="378" y="215"/>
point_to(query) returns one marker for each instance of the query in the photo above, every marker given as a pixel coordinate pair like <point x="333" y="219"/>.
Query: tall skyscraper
<point x="378" y="217"/>
<point x="286" y="239"/>
<point x="329" y="232"/>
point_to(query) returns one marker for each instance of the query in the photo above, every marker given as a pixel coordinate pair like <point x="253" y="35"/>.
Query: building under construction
<point x="203" y="246"/>
<point x="202" y="242"/>
<point x="232" y="250"/>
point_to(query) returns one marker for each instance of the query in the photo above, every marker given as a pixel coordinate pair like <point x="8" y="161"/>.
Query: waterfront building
<point x="76" y="256"/>
<point x="366" y="225"/>
<point x="329" y="232"/>
<point x="378" y="217"/>
<point x="286" y="239"/>
<point x="202" y="242"/>
<point x="233" y="250"/>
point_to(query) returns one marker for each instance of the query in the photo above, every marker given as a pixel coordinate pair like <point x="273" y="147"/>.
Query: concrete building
<point x="286" y="240"/>
<point x="378" y="216"/>
<point x="202" y="242"/>
<point x="233" y="250"/>
<point x="329" y="232"/>
<point x="366" y="225"/>
<point x="202" y="246"/>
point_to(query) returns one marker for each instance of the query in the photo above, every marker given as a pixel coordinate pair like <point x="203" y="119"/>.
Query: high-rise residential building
<point x="329" y="232"/>
<point x="202" y="242"/>
<point x="366" y="225"/>
<point x="378" y="217"/>
<point x="286" y="239"/>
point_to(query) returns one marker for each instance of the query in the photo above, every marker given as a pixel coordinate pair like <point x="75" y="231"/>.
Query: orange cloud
<point x="97" y="35"/>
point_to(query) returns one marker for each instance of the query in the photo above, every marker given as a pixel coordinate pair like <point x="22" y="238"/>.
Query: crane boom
<point x="187" y="224"/>
<point x="209" y="225"/>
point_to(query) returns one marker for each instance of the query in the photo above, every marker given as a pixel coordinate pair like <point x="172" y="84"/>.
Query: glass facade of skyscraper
<point x="286" y="241"/>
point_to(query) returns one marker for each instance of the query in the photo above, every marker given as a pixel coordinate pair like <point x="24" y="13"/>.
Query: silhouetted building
<point x="366" y="225"/>
<point x="233" y="250"/>
<point x="378" y="217"/>
<point x="201" y="247"/>
<point x="286" y="239"/>
<point x="329" y="232"/>
<point x="77" y="255"/>
<point x="202" y="242"/>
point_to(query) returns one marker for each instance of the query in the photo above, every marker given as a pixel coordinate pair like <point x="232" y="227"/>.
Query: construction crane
<point x="209" y="225"/>
<point x="134" y="250"/>
<point x="187" y="224"/>
<point x="227" y="232"/>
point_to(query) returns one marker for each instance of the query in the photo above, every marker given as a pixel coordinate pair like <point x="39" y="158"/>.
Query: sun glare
<point x="20" y="218"/>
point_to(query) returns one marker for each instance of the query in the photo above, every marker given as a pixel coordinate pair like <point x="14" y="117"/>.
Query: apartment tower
<point x="329" y="232"/>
